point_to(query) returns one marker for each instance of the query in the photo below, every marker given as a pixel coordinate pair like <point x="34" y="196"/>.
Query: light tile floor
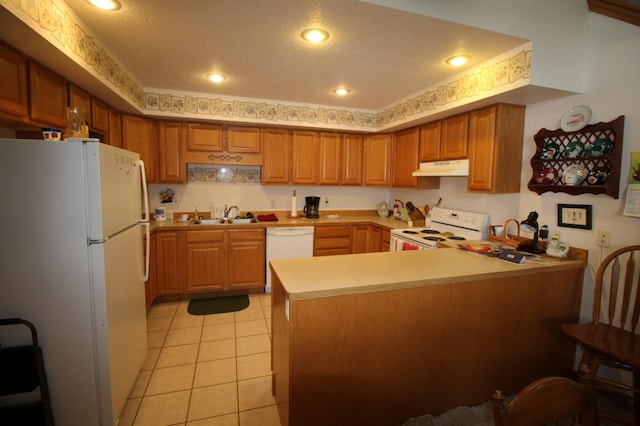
<point x="209" y="370"/>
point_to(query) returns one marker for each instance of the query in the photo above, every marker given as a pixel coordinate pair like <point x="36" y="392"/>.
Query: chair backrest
<point x="550" y="400"/>
<point x="617" y="282"/>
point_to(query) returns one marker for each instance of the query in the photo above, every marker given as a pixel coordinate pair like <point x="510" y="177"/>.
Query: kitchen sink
<point x="237" y="221"/>
<point x="207" y="222"/>
<point x="241" y="221"/>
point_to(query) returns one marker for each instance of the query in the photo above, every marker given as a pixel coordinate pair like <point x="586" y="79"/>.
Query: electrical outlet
<point x="604" y="239"/>
<point x="326" y="201"/>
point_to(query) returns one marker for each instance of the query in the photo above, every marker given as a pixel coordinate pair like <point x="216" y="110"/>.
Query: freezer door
<point x="113" y="189"/>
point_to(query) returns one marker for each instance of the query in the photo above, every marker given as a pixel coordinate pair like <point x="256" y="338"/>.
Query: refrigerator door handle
<point x="145" y="191"/>
<point x="147" y="252"/>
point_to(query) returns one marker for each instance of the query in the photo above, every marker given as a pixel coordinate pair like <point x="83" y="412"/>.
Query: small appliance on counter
<point x="312" y="207"/>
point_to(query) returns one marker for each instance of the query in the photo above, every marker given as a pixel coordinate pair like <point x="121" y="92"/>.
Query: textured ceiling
<point x="381" y="54"/>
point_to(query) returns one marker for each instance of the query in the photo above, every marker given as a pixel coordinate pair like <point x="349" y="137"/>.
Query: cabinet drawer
<point x="205" y="235"/>
<point x="332" y="231"/>
<point x="246" y="234"/>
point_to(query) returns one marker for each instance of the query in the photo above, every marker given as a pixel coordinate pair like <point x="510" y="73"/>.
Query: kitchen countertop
<point x="328" y="276"/>
<point x="283" y="221"/>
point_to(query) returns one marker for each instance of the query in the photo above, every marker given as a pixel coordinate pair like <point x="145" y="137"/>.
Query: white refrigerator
<point x="73" y="215"/>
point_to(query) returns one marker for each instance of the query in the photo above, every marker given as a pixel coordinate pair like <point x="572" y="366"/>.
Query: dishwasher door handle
<point x="290" y="232"/>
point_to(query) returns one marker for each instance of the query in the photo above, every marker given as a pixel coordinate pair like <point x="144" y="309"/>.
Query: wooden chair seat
<point x="609" y="342"/>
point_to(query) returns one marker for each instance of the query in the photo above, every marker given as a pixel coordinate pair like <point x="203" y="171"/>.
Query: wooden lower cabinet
<point x="169" y="271"/>
<point x="210" y="261"/>
<point x="245" y="258"/>
<point x="330" y="240"/>
<point x="385" y="239"/>
<point x="366" y="239"/>
<point x="205" y="260"/>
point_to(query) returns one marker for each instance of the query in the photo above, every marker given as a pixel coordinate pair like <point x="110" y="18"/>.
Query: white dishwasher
<point x="287" y="243"/>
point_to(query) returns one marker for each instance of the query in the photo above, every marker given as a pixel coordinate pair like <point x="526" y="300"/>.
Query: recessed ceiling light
<point x="458" y="60"/>
<point x="216" y="78"/>
<point x="314" y="35"/>
<point x="341" y="91"/>
<point x="106" y="4"/>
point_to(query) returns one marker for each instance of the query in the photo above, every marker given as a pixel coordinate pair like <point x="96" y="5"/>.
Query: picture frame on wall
<point x="575" y="216"/>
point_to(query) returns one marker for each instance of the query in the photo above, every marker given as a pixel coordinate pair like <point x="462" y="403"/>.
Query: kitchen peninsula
<point x="379" y="338"/>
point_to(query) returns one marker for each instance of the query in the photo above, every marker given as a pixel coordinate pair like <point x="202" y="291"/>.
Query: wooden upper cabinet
<point x="453" y="141"/>
<point x="405" y="157"/>
<point x="99" y="115"/>
<point x="405" y="161"/>
<point x="114" y="136"/>
<point x="47" y="96"/>
<point x="171" y="137"/>
<point x="80" y="98"/>
<point x="13" y="82"/>
<point x="430" y="142"/>
<point x="495" y="148"/>
<point x="276" y="159"/>
<point x="204" y="137"/>
<point x="141" y="135"/>
<point x="243" y="139"/>
<point x="329" y="158"/>
<point x="305" y="157"/>
<point x="377" y="160"/>
<point x="352" y="161"/>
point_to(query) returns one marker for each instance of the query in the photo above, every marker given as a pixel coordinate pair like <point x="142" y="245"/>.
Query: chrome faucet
<point x="227" y="211"/>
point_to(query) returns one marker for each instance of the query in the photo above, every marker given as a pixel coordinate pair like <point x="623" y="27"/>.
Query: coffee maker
<point x="311" y="207"/>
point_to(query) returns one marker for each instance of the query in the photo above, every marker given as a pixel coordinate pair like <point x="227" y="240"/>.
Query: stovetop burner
<point x="406" y="231"/>
<point x="434" y="239"/>
<point x="430" y="231"/>
<point x="455" y="237"/>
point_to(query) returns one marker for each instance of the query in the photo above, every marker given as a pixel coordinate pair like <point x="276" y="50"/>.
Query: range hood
<point x="443" y="168"/>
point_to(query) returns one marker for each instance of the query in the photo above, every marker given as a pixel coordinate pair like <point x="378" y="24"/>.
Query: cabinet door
<point x="205" y="260"/>
<point x="243" y="139"/>
<point x="170" y="141"/>
<point x="359" y="238"/>
<point x="204" y="137"/>
<point x="385" y="239"/>
<point x="141" y="135"/>
<point x="495" y="149"/>
<point x="276" y="160"/>
<point x="305" y="157"/>
<point x="352" y="161"/>
<point x="329" y="158"/>
<point x="80" y="98"/>
<point x="375" y="239"/>
<point x="246" y="258"/>
<point x="405" y="157"/>
<point x="47" y="96"/>
<point x="430" y="142"/>
<point x="13" y="82"/>
<point x="114" y="136"/>
<point x="99" y="115"/>
<point x="377" y="160"/>
<point x="169" y="276"/>
<point x="453" y="144"/>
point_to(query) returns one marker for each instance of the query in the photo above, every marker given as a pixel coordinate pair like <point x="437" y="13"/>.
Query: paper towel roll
<point x="294" y="210"/>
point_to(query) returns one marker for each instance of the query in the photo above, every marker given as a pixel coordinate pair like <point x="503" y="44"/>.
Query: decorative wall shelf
<point x="549" y="161"/>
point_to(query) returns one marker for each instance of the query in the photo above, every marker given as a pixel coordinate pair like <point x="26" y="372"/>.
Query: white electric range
<point x="448" y="227"/>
